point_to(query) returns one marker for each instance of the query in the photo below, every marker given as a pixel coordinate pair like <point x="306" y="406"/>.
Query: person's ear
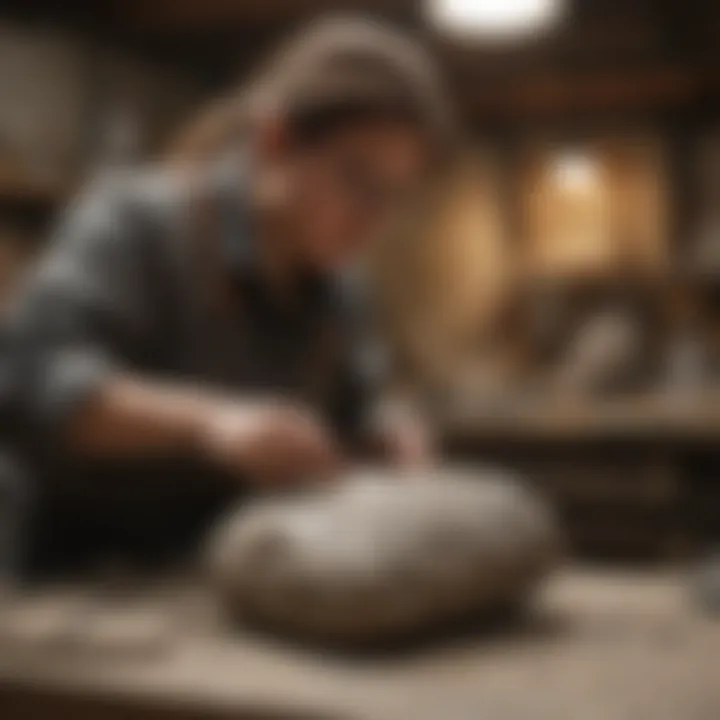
<point x="272" y="147"/>
<point x="273" y="140"/>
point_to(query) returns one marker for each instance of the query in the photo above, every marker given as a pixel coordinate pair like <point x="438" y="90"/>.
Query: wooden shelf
<point x="25" y="189"/>
<point x="659" y="416"/>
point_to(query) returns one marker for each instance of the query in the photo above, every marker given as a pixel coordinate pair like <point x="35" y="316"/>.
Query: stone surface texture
<point x="384" y="553"/>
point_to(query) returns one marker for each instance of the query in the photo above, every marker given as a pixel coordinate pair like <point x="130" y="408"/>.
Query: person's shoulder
<point x="145" y="206"/>
<point x="145" y="189"/>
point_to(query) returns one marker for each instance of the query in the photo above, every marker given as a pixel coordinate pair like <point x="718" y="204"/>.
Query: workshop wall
<point x="571" y="256"/>
<point x="71" y="108"/>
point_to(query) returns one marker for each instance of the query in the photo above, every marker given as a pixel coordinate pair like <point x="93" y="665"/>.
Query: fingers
<point x="302" y="449"/>
<point x="411" y="447"/>
<point x="273" y="444"/>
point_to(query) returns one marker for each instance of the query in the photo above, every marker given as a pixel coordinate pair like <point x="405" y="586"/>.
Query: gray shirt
<point x="156" y="273"/>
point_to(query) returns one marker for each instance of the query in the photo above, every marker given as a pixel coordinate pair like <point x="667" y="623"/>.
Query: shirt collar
<point x="238" y="239"/>
<point x="231" y="179"/>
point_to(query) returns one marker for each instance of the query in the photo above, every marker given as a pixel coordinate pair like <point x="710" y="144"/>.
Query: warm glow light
<point x="493" y="18"/>
<point x="575" y="172"/>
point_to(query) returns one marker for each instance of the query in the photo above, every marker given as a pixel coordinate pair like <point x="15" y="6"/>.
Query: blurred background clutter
<point x="557" y="295"/>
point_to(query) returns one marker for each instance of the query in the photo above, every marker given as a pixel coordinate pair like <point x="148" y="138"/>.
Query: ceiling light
<point x="493" y="18"/>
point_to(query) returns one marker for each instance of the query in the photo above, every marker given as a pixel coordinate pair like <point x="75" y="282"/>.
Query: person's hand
<point x="404" y="436"/>
<point x="269" y="442"/>
<point x="409" y="443"/>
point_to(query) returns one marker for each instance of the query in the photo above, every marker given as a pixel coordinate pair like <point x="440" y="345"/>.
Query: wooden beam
<point x="550" y="94"/>
<point x="198" y="16"/>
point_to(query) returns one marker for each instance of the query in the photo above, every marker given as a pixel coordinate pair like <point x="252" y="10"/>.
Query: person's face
<point x="341" y="191"/>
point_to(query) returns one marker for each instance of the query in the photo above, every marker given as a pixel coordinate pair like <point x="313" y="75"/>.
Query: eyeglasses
<point x="370" y="194"/>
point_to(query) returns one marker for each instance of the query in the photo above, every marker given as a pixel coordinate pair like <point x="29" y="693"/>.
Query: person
<point x="194" y="332"/>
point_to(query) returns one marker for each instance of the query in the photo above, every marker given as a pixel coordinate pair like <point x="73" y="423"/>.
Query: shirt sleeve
<point x="361" y="381"/>
<point x="77" y="318"/>
<point x="364" y="367"/>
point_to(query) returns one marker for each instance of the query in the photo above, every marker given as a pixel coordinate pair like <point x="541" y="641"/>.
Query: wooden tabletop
<point x="600" y="646"/>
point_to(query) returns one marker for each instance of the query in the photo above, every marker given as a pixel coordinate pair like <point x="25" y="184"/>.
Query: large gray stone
<point x="383" y="553"/>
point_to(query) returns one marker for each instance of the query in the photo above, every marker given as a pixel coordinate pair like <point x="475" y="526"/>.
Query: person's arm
<point x="67" y="377"/>
<point x="384" y="424"/>
<point x="378" y="420"/>
<point x="134" y="416"/>
<point x="266" y="441"/>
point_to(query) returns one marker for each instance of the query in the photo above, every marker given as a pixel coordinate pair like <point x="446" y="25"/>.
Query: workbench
<point x="635" y="475"/>
<point x="599" y="645"/>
